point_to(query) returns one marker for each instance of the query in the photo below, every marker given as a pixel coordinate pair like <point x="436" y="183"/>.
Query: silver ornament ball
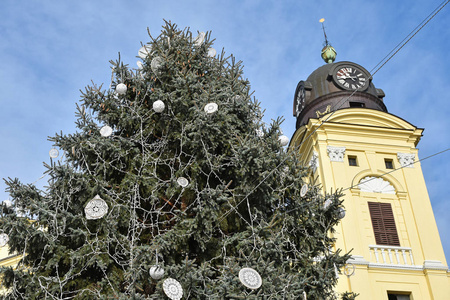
<point x="156" y="272"/>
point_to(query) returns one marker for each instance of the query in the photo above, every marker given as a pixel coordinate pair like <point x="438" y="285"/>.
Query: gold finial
<point x="328" y="52"/>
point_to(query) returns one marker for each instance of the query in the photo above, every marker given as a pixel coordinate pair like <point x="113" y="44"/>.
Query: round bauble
<point x="158" y="106"/>
<point x="145" y="51"/>
<point x="121" y="89"/>
<point x="199" y="39"/>
<point x="156" y="272"/>
<point x="284" y="140"/>
<point x="341" y="213"/>
<point x="3" y="239"/>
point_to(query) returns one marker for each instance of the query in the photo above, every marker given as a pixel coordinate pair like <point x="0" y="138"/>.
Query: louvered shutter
<point x="383" y="224"/>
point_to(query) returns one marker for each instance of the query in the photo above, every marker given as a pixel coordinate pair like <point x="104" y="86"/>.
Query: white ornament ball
<point x="156" y="272"/>
<point x="199" y="39"/>
<point x="341" y="213"/>
<point x="106" y="131"/>
<point x="121" y="89"/>
<point x="284" y="140"/>
<point x="158" y="106"/>
<point x="183" y="181"/>
<point x="4" y="239"/>
<point x="212" y="52"/>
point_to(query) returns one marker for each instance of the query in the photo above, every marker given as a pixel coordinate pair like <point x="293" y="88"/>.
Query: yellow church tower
<point x="350" y="141"/>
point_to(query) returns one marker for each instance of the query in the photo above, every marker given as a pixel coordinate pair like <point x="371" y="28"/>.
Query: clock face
<point x="350" y="78"/>
<point x="300" y="101"/>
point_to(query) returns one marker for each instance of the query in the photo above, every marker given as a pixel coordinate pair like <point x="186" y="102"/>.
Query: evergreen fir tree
<point x="199" y="190"/>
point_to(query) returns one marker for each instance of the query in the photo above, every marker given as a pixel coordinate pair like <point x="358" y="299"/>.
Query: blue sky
<point x="49" y="50"/>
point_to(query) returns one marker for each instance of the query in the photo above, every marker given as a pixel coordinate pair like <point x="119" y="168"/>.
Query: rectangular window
<point x="357" y="104"/>
<point x="352" y="161"/>
<point x="389" y="163"/>
<point x="383" y="224"/>
<point x="392" y="296"/>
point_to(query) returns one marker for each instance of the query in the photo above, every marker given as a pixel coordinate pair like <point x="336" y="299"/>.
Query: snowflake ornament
<point x="96" y="208"/>
<point x="172" y="288"/>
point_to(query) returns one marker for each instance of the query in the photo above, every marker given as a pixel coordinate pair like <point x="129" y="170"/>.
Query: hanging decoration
<point x="4" y="239"/>
<point x="54" y="153"/>
<point x="336" y="272"/>
<point x="145" y="51"/>
<point x="212" y="52"/>
<point x="341" y="213"/>
<point x="96" y="208"/>
<point x="304" y="295"/>
<point x="182" y="181"/>
<point x="284" y="140"/>
<point x="156" y="64"/>
<point x="140" y="65"/>
<point x="172" y="288"/>
<point x="259" y="133"/>
<point x="198" y="41"/>
<point x="304" y="190"/>
<point x="211" y="108"/>
<point x="158" y="106"/>
<point x="250" y="278"/>
<point x="121" y="89"/>
<point x="156" y="272"/>
<point x="327" y="204"/>
<point x="349" y="269"/>
<point x="106" y="131"/>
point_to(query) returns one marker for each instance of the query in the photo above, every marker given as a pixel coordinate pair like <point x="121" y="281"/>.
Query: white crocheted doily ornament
<point x="145" y="51"/>
<point x="211" y="108"/>
<point x="4" y="239"/>
<point x="304" y="190"/>
<point x="158" y="106"/>
<point x="156" y="272"/>
<point x="53" y="153"/>
<point x="106" y="131"/>
<point x="172" y="288"/>
<point x="121" y="89"/>
<point x="156" y="64"/>
<point x="250" y="278"/>
<point x="182" y="181"/>
<point x="212" y="52"/>
<point x="96" y="208"/>
<point x="198" y="41"/>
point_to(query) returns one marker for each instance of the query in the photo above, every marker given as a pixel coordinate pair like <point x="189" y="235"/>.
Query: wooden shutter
<point x="383" y="224"/>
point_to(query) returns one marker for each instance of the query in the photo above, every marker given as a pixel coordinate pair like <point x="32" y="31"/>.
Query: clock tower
<point x="351" y="142"/>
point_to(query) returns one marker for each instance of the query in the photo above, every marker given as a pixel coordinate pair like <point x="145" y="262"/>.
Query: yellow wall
<point x="418" y="266"/>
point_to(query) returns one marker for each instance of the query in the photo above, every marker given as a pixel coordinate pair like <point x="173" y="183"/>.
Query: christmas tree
<point x="173" y="187"/>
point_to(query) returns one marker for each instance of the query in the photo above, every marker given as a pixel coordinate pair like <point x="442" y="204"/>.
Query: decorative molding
<point x="314" y="161"/>
<point x="434" y="265"/>
<point x="336" y="153"/>
<point x="376" y="185"/>
<point x="406" y="159"/>
<point x="357" y="260"/>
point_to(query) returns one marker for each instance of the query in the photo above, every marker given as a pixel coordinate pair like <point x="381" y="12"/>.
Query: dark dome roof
<point x="324" y="92"/>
